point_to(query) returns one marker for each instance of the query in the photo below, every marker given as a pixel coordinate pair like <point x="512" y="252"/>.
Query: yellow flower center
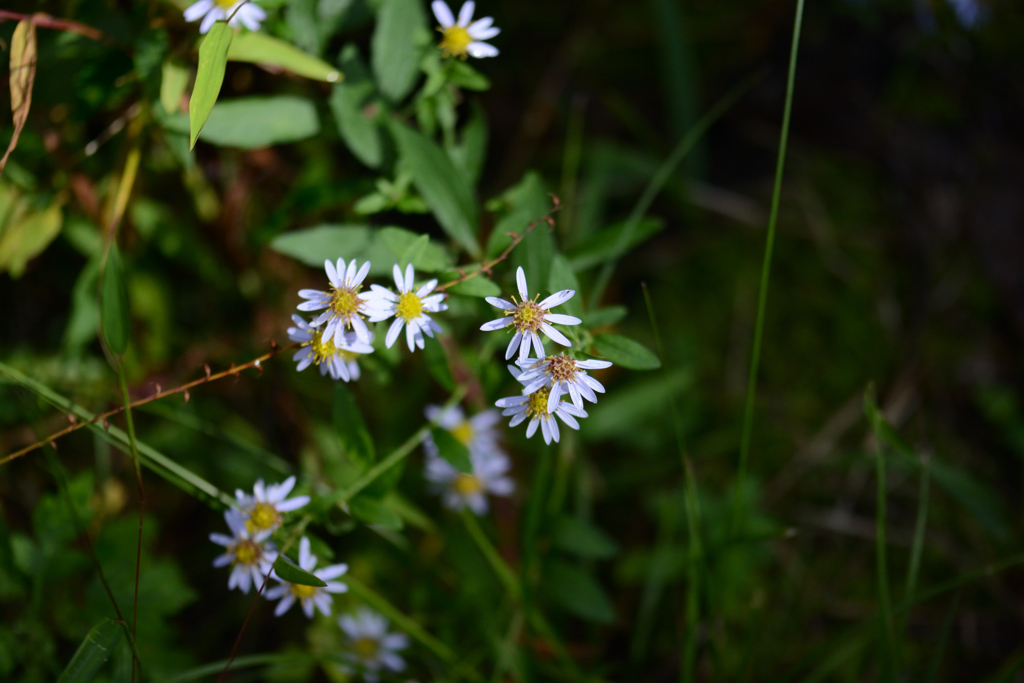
<point x="562" y="368"/>
<point x="464" y="433"/>
<point x="303" y="592"/>
<point x="263" y="516"/>
<point x="345" y="302"/>
<point x="225" y="4"/>
<point x="527" y="316"/>
<point x="322" y="349"/>
<point x="538" y="402"/>
<point x="348" y="356"/>
<point x="467" y="485"/>
<point x="409" y="306"/>
<point x="366" y="648"/>
<point x="246" y="552"/>
<point x="455" y="41"/>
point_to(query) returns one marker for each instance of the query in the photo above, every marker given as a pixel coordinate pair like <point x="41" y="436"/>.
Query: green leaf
<point x="465" y="76"/>
<point x="114" y="314"/>
<point x="97" y="647"/>
<point x="625" y="352"/>
<point x="452" y="450"/>
<point x="173" y="81"/>
<point x="213" y="58"/>
<point x="26" y="234"/>
<point x="604" y="316"/>
<point x="527" y="202"/>
<point x="631" y="408"/>
<point x="254" y="122"/>
<point x="563" y="277"/>
<point x="293" y="573"/>
<point x="442" y="186"/>
<point x="350" y="426"/>
<point x="426" y="257"/>
<point x="395" y="53"/>
<point x="578" y="592"/>
<point x="437" y="366"/>
<point x="260" y="48"/>
<point x="600" y="246"/>
<point x="312" y="246"/>
<point x="581" y="538"/>
<point x="470" y="153"/>
<point x="349" y="101"/>
<point x="375" y="512"/>
<point x="478" y="286"/>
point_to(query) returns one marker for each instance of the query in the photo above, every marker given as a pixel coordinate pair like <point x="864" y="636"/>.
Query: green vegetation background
<point x="898" y="262"/>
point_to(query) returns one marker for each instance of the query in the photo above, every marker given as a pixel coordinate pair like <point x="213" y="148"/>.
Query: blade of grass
<point x="890" y="651"/>
<point x="766" y="266"/>
<point x="661" y="177"/>
<point x="940" y="646"/>
<point x="247" y="661"/>
<point x="508" y="647"/>
<point x="127" y="401"/>
<point x="917" y="546"/>
<point x="501" y="569"/>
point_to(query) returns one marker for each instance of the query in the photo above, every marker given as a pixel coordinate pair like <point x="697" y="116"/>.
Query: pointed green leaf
<point x="625" y="352"/>
<point x="478" y="286"/>
<point x="581" y="538"/>
<point x="260" y="48"/>
<point x="563" y="277"/>
<point x="312" y="246"/>
<point x="97" y="647"/>
<point x="602" y="245"/>
<point x="431" y="258"/>
<point x="114" y="315"/>
<point x="349" y="423"/>
<point x="452" y="450"/>
<point x="443" y="186"/>
<point x="395" y="53"/>
<point x="255" y="122"/>
<point x="375" y="512"/>
<point x="357" y="121"/>
<point x="173" y="81"/>
<point x="293" y="573"/>
<point x="213" y="58"/>
<point x="578" y="592"/>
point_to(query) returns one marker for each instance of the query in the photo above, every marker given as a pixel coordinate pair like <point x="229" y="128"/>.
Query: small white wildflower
<point x="211" y="11"/>
<point x="410" y="307"/>
<point x="477" y="433"/>
<point x="562" y="375"/>
<point x="309" y="596"/>
<point x="372" y="648"/>
<point x="535" y="407"/>
<point x="262" y="510"/>
<point x="528" y="317"/>
<point x="345" y="305"/>
<point x="465" y="36"/>
<point x="250" y="554"/>
<point x="460" y="489"/>
<point x="340" y="360"/>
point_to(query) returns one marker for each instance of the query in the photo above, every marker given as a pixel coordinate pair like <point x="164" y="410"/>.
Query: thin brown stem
<point x="43" y="20"/>
<point x="234" y="370"/>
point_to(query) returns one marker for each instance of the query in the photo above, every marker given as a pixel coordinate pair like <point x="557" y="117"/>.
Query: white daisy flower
<point x="410" y="307"/>
<point x="340" y="360"/>
<point x="460" y="489"/>
<point x="345" y="305"/>
<point x="535" y="407"/>
<point x="309" y="596"/>
<point x="249" y="14"/>
<point x="250" y="554"/>
<point x="528" y="317"/>
<point x="465" y="36"/>
<point x="372" y="648"/>
<point x="262" y="510"/>
<point x="477" y="433"/>
<point x="562" y="375"/>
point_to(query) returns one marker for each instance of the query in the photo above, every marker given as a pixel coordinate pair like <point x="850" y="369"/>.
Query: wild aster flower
<point x="249" y="553"/>
<point x="410" y="307"/>
<point x="459" y="38"/>
<point x="562" y="375"/>
<point x="309" y="596"/>
<point x="345" y="305"/>
<point x="460" y="489"/>
<point x="476" y="433"/>
<point x="528" y="317"/>
<point x="970" y="13"/>
<point x="262" y="510"/>
<point x="340" y="360"/>
<point x="249" y="14"/>
<point x="372" y="648"/>
<point x="535" y="407"/>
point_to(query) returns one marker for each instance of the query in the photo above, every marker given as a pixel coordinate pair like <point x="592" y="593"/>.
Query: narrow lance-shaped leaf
<point x="96" y="649"/>
<point x="213" y="58"/>
<point x="293" y="573"/>
<point x="114" y="314"/>
<point x="395" y="54"/>
<point x="23" y="75"/>
<point x="259" y="48"/>
<point x="625" y="352"/>
<point x="452" y="450"/>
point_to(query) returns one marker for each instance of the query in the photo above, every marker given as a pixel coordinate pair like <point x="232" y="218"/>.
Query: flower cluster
<point x="240" y="13"/>
<point x="545" y="379"/>
<point x="464" y="36"/>
<point x="489" y="462"/>
<point x="371" y="648"/>
<point x="335" y="338"/>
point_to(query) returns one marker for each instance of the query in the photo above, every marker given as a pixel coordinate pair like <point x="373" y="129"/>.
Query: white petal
<point x="285" y="604"/>
<point x="332" y="273"/>
<point x="393" y="331"/>
<point x="362" y="331"/>
<point x="332" y="572"/>
<point x="396" y="273"/>
<point x="443" y="14"/>
<point x="557" y="298"/>
<point x="568" y="419"/>
<point x="480" y="50"/>
<point x="426" y="289"/>
<point x="593" y="364"/>
<point x="482" y="32"/>
<point x="249" y="16"/>
<point x="350" y="272"/>
<point x="198" y="10"/>
<point x="410" y="334"/>
<point x="517" y="420"/>
<point x="531" y="429"/>
<point x="560" y="319"/>
<point x="511" y="350"/>
<point x="554" y="335"/>
<point x="209" y="20"/>
<point x="521" y="283"/>
<point x="538" y="345"/>
<point x="497" y="303"/>
<point x="498" y="324"/>
<point x="409" y="274"/>
<point x="361" y="275"/>
<point x="509" y="401"/>
<point x="292" y="503"/>
<point x="466" y="13"/>
<point x="281" y="491"/>
<point x="554" y="397"/>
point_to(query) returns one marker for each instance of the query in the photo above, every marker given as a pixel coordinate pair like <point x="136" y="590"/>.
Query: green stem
<point x="490" y="553"/>
<point x="508" y="646"/>
<point x="917" y="546"/>
<point x="889" y="662"/>
<point x="126" y="398"/>
<point x="766" y="266"/>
